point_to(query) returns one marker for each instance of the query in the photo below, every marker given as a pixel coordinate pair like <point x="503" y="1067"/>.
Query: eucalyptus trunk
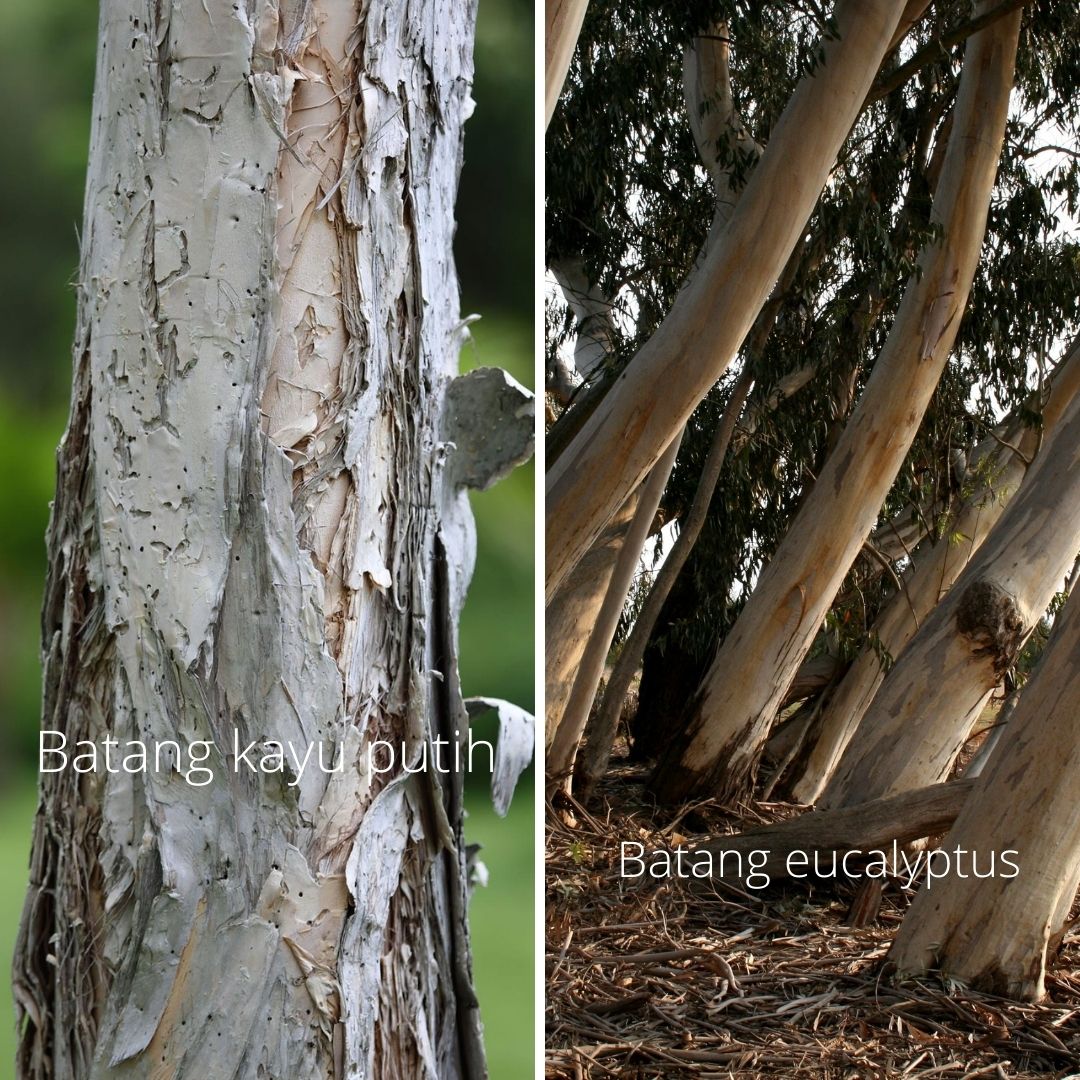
<point x="730" y="713"/>
<point x="996" y="470"/>
<point x="259" y="548"/>
<point x="653" y="398"/>
<point x="998" y="930"/>
<point x="590" y="670"/>
<point x="931" y="698"/>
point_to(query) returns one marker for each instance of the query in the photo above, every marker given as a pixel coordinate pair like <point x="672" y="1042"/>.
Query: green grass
<point x="501" y="917"/>
<point x="16" y="818"/>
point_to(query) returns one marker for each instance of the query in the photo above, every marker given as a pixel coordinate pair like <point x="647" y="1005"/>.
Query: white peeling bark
<point x="261" y="532"/>
<point x="655" y="395"/>
<point x="730" y="714"/>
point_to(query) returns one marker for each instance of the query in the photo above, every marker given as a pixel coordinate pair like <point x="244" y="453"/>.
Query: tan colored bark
<point x="563" y="19"/>
<point x="593" y="761"/>
<point x="732" y="710"/>
<point x="999" y="472"/>
<point x="998" y="933"/>
<point x="926" y="706"/>
<point x="571" y="725"/>
<point x="697" y="341"/>
<point x="569" y="619"/>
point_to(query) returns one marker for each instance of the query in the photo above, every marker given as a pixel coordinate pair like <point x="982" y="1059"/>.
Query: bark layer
<point x="261" y="534"/>
<point x="731" y="711"/>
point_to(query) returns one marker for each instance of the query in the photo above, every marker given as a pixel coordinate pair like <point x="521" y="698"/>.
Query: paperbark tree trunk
<point x="926" y="706"/>
<point x="998" y="469"/>
<point x="659" y="389"/>
<point x="261" y="533"/>
<point x="996" y="932"/>
<point x="731" y="712"/>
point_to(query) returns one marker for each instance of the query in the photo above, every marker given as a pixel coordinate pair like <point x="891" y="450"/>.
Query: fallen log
<point x="867" y="827"/>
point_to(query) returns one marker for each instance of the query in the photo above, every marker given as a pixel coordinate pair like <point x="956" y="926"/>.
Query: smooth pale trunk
<point x="994" y="933"/>
<point x="596" y="754"/>
<point x="926" y="706"/>
<point x="700" y="337"/>
<point x="562" y="25"/>
<point x="570" y="618"/>
<point x="571" y="725"/>
<point x="730" y="714"/>
<point x="935" y="569"/>
<point x="261" y="531"/>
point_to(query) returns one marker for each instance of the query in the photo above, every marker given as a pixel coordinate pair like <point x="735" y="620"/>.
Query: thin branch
<point x="885" y="85"/>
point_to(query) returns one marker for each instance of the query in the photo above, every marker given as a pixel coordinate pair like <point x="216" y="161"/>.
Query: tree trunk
<point x="601" y="734"/>
<point x="569" y="619"/>
<point x="657" y="392"/>
<point x="999" y="471"/>
<point x="561" y="28"/>
<point x="996" y="933"/>
<point x="862" y="830"/>
<point x="926" y="706"/>
<point x="731" y="712"/>
<point x="259" y="547"/>
<point x="571" y="725"/>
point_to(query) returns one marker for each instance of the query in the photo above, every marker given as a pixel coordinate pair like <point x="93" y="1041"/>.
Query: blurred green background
<point x="47" y="50"/>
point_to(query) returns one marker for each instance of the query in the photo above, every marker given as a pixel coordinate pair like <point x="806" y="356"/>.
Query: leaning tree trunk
<point x="586" y="679"/>
<point x="702" y="333"/>
<point x="570" y="618"/>
<point x="562" y="24"/>
<point x="259" y="548"/>
<point x="919" y="719"/>
<point x="730" y="713"/>
<point x="996" y="932"/>
<point x="997" y="467"/>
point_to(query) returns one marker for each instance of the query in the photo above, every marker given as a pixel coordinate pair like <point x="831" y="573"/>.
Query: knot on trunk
<point x="992" y="618"/>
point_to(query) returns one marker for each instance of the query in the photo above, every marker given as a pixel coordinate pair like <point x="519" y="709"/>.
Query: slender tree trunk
<point x="655" y="395"/>
<point x="601" y="734"/>
<point x="926" y="706"/>
<point x="259" y="547"/>
<point x="997" y="932"/>
<point x="570" y="618"/>
<point x="999" y="471"/>
<point x="732" y="710"/>
<point x="561" y="28"/>
<point x="564" y="747"/>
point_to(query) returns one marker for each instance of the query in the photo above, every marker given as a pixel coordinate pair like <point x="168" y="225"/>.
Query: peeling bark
<point x="259" y="534"/>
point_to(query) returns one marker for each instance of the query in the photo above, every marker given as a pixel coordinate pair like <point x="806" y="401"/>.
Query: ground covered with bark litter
<point x="680" y="979"/>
